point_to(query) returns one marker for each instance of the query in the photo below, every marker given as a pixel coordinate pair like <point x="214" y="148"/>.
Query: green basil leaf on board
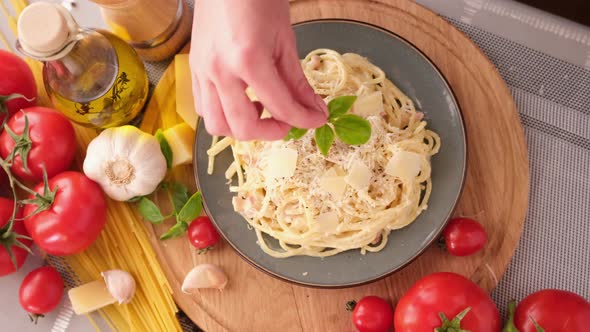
<point x="175" y="231"/>
<point x="179" y="196"/>
<point x="150" y="211"/>
<point x="165" y="147"/>
<point x="340" y="105"/>
<point x="191" y="209"/>
<point x="295" y="134"/>
<point x="352" y="129"/>
<point x="324" y="138"/>
<point x="134" y="199"/>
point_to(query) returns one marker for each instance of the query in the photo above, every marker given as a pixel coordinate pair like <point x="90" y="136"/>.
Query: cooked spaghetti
<point x="356" y="195"/>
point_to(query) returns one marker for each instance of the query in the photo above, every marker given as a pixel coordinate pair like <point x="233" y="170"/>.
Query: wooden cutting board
<point x="495" y="193"/>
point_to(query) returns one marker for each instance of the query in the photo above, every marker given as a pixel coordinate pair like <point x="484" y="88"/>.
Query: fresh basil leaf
<point x="352" y="129"/>
<point x="134" y="199"/>
<point x="175" y="231"/>
<point x="150" y="211"/>
<point x="295" y="134"/>
<point x="165" y="147"/>
<point x="179" y="196"/>
<point x="340" y="105"/>
<point x="191" y="209"/>
<point x="324" y="138"/>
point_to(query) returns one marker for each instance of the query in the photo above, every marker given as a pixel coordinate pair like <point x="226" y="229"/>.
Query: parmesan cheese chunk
<point x="185" y="103"/>
<point x="181" y="139"/>
<point x="367" y="105"/>
<point x="333" y="184"/>
<point x="327" y="222"/>
<point x="281" y="163"/>
<point x="404" y="165"/>
<point x="90" y="297"/>
<point x="359" y="176"/>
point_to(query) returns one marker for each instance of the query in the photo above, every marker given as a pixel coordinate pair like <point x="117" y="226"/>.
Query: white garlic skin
<point x="204" y="276"/>
<point x="120" y="284"/>
<point x="125" y="162"/>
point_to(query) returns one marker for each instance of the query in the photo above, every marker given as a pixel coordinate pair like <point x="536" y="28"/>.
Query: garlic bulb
<point x="204" y="276"/>
<point x="120" y="284"/>
<point x="126" y="162"/>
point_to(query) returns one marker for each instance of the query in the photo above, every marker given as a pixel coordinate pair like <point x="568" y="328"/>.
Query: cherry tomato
<point x="464" y="237"/>
<point x="372" y="314"/>
<point x="52" y="143"/>
<point x="554" y="310"/>
<point x="15" y="77"/>
<point x="450" y="294"/>
<point x="41" y="291"/>
<point x="74" y="217"/>
<point x="202" y="234"/>
<point x="3" y="177"/>
<point x="6" y="264"/>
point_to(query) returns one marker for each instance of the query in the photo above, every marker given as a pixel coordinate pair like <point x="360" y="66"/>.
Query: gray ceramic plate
<point x="409" y="69"/>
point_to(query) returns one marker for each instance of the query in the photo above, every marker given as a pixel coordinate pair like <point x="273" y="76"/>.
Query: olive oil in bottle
<point x="92" y="76"/>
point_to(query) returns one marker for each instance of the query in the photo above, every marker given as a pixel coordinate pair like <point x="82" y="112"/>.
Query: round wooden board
<point x="495" y="192"/>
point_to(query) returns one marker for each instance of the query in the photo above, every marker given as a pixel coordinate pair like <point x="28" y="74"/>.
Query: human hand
<point x="241" y="43"/>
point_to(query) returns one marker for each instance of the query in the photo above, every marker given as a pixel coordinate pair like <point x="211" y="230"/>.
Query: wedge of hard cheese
<point x="181" y="139"/>
<point x="185" y="103"/>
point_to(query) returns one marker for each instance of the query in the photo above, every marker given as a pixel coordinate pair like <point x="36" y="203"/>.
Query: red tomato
<point x="6" y="265"/>
<point x="3" y="178"/>
<point x="15" y="77"/>
<point x="464" y="237"/>
<point x="554" y="310"/>
<point x="202" y="234"/>
<point x="41" y="291"/>
<point x="52" y="143"/>
<point x="448" y="293"/>
<point x="372" y="314"/>
<point x="74" y="218"/>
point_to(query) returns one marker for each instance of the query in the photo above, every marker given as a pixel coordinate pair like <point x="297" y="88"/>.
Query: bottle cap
<point x="45" y="29"/>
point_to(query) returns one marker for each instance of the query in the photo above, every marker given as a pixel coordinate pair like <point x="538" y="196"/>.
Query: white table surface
<point x="533" y="28"/>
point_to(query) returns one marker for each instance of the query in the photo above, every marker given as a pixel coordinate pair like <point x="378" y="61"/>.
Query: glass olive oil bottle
<point x="92" y="76"/>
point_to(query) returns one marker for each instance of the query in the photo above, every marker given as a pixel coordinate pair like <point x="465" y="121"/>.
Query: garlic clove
<point x="204" y="276"/>
<point x="120" y="284"/>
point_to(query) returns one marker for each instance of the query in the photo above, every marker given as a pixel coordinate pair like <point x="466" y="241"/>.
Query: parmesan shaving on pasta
<point x="351" y="199"/>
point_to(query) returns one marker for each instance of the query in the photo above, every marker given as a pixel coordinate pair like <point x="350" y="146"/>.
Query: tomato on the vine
<point x="554" y="311"/>
<point x="73" y="213"/>
<point x="16" y="81"/>
<point x="10" y="240"/>
<point x="41" y="291"/>
<point x="202" y="234"/>
<point x="49" y="142"/>
<point x="446" y="301"/>
<point x="464" y="237"/>
<point x="372" y="314"/>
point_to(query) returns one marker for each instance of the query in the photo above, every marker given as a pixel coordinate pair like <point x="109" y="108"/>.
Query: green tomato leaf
<point x="191" y="209"/>
<point x="150" y="211"/>
<point x="295" y="134"/>
<point x="340" y="105"/>
<point x="175" y="231"/>
<point x="165" y="147"/>
<point x="179" y="196"/>
<point x="352" y="129"/>
<point x="324" y="138"/>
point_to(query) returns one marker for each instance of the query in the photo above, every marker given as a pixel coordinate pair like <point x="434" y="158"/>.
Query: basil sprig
<point x="185" y="208"/>
<point x="165" y="147"/>
<point x="350" y="129"/>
